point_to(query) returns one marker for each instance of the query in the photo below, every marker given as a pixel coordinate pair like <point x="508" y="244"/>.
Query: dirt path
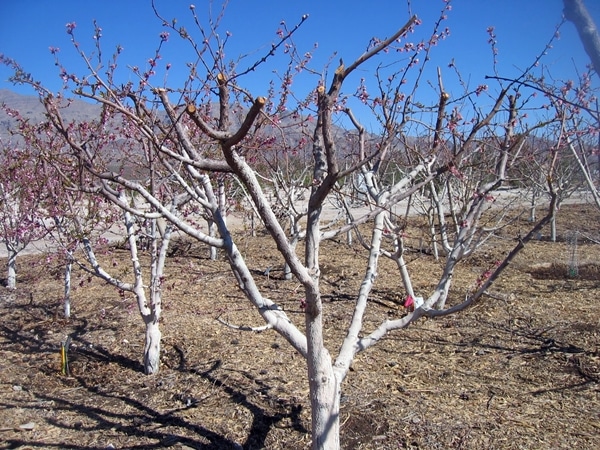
<point x="504" y="198"/>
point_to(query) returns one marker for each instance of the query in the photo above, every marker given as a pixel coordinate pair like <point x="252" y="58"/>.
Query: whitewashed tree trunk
<point x="295" y="232"/>
<point x="149" y="309"/>
<point x="406" y="281"/>
<point x="533" y="205"/>
<point x="213" y="252"/>
<point x="323" y="386"/>
<point x="433" y="234"/>
<point x="324" y="392"/>
<point x="67" y="282"/>
<point x="152" y="345"/>
<point x="11" y="277"/>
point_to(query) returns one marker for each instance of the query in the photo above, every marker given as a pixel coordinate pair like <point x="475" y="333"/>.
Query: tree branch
<point x="576" y="12"/>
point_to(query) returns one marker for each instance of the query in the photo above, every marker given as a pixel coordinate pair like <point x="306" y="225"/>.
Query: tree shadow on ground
<point x="114" y="412"/>
<point x="262" y="422"/>
<point x="522" y="339"/>
<point x="147" y="422"/>
<point x="26" y="338"/>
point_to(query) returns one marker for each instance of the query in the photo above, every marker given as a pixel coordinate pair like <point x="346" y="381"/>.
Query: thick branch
<point x="204" y="127"/>
<point x="248" y="121"/>
<point x="576" y="12"/>
<point x="183" y="138"/>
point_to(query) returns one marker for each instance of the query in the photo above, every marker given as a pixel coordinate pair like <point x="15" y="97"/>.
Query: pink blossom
<point x="481" y="88"/>
<point x="70" y="27"/>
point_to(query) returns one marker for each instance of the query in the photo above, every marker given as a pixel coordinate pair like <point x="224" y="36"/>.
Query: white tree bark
<point x="67" y="282"/>
<point x="11" y="277"/>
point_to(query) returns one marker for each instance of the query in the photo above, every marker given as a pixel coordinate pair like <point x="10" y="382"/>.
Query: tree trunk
<point x="11" y="280"/>
<point x="433" y="234"/>
<point x="532" y="207"/>
<point x="152" y="346"/>
<point x="405" y="276"/>
<point x="349" y="232"/>
<point x="295" y="232"/>
<point x="212" y="231"/>
<point x="323" y="385"/>
<point x="67" y="299"/>
<point x="324" y="388"/>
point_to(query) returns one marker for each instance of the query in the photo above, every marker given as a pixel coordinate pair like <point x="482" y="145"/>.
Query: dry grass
<point x="519" y="371"/>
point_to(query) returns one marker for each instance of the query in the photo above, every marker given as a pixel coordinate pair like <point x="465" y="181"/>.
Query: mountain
<point x="31" y="108"/>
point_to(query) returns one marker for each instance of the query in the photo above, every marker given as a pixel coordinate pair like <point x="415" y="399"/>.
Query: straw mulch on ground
<point x="519" y="370"/>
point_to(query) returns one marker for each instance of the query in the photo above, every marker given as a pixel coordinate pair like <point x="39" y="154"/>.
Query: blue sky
<point x="523" y="27"/>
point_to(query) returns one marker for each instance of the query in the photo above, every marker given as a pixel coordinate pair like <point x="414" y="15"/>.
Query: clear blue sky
<point x="523" y="27"/>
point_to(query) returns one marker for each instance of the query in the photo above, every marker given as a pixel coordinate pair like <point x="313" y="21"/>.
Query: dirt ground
<point x="520" y="370"/>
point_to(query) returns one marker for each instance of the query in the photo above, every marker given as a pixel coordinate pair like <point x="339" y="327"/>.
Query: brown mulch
<point x="519" y="370"/>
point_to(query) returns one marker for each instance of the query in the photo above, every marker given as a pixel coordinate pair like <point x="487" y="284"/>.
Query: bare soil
<point x="519" y="370"/>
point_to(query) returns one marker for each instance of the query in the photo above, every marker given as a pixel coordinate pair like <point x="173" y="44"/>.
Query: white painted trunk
<point x="11" y="279"/>
<point x="533" y="207"/>
<point x="324" y="393"/>
<point x="212" y="231"/>
<point x="152" y="348"/>
<point x="432" y="232"/>
<point x="326" y="415"/>
<point x="406" y="281"/>
<point x="67" y="299"/>
<point x="294" y="231"/>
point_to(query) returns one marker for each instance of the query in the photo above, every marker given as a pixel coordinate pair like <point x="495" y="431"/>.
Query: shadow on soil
<point x="140" y="419"/>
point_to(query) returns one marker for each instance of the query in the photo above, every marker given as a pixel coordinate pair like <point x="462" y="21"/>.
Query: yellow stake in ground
<point x="64" y="357"/>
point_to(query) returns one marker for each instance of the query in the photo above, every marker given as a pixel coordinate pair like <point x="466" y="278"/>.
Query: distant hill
<point x="31" y="108"/>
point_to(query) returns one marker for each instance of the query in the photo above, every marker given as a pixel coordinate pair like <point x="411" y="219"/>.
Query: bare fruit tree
<point x="184" y="141"/>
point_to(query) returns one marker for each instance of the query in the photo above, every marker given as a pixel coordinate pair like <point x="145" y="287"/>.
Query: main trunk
<point x="11" y="280"/>
<point x="67" y="299"/>
<point x="323" y="385"/>
<point x="324" y="388"/>
<point x="152" y="347"/>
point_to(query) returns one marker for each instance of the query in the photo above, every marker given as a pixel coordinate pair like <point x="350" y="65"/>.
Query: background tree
<point x="22" y="194"/>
